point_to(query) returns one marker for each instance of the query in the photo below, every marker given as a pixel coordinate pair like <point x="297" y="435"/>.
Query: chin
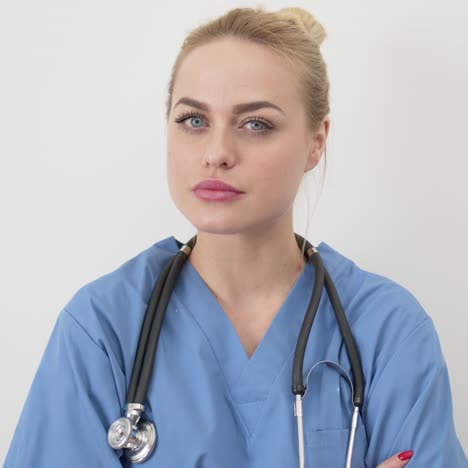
<point x="216" y="227"/>
<point x="213" y="219"/>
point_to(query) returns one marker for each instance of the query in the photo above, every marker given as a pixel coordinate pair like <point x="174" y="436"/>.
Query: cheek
<point x="278" y="180"/>
<point x="176" y="175"/>
<point x="278" y="174"/>
<point x="174" y="155"/>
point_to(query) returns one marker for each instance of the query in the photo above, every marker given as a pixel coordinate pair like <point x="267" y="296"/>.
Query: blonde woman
<point x="247" y="117"/>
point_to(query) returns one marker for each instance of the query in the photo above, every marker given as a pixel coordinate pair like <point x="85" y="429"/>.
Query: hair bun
<point x="307" y="22"/>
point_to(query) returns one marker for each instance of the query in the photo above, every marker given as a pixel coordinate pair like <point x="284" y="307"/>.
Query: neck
<point x="243" y="267"/>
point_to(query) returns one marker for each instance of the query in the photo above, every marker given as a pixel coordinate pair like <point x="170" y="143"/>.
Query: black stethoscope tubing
<point x="155" y="312"/>
<point x="151" y="326"/>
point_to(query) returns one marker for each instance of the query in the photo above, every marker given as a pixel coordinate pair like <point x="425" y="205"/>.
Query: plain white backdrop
<point x="82" y="157"/>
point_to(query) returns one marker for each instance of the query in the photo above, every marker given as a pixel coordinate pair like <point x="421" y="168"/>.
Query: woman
<point x="248" y="106"/>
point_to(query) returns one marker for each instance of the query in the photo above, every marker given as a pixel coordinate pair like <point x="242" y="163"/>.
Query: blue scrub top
<point x="213" y="406"/>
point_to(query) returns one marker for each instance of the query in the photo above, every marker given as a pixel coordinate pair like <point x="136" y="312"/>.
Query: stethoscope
<point x="138" y="436"/>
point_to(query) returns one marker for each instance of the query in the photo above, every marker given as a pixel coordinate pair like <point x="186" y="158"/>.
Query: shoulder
<point x="131" y="281"/>
<point x="382" y="312"/>
<point x="395" y="336"/>
<point x="111" y="307"/>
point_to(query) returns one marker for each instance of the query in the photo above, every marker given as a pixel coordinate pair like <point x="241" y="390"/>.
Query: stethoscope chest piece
<point x="137" y="436"/>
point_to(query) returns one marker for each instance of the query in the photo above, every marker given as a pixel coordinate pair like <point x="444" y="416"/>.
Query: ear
<point x="317" y="145"/>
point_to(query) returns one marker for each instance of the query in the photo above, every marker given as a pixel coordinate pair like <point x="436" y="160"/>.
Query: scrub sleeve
<point x="409" y="405"/>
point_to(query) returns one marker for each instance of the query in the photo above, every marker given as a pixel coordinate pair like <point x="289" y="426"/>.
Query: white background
<point x="82" y="154"/>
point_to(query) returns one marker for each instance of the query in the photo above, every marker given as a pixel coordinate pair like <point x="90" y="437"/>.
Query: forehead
<point x="229" y="71"/>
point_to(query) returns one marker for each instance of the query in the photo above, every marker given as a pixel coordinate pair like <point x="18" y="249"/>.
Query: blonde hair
<point x="293" y="33"/>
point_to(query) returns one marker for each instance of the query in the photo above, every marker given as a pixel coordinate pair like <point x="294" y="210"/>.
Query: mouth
<point x="216" y="185"/>
<point x="217" y="195"/>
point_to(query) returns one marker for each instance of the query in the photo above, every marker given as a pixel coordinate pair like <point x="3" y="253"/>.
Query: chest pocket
<point x="327" y="449"/>
<point x="328" y="411"/>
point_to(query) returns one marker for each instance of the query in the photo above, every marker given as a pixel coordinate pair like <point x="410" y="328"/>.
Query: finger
<point x="398" y="460"/>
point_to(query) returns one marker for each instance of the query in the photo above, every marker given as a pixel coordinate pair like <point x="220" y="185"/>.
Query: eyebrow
<point x="237" y="109"/>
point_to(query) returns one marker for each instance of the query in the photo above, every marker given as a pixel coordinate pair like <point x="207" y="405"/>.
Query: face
<point x="264" y="152"/>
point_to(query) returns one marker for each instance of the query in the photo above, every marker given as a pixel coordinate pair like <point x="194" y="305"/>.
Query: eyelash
<point x="258" y="118"/>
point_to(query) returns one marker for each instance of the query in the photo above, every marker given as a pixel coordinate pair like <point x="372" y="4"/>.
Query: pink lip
<point x="215" y="184"/>
<point x="216" y="190"/>
<point x="216" y="195"/>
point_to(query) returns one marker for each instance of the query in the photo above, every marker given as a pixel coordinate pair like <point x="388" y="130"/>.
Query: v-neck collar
<point x="249" y="380"/>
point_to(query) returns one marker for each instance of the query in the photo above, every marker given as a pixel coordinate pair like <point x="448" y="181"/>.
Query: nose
<point x="220" y="149"/>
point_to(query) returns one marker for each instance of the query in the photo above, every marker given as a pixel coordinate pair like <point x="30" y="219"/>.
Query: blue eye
<point x="193" y="118"/>
<point x="265" y="126"/>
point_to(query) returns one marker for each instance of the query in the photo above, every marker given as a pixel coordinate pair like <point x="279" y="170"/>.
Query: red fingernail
<point x="406" y="455"/>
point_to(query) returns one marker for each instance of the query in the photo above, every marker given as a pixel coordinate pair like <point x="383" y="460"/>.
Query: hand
<point x="398" y="460"/>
